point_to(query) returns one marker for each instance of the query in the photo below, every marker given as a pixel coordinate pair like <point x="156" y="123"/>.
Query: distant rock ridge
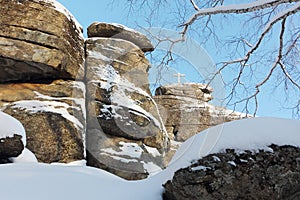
<point x="185" y="109"/>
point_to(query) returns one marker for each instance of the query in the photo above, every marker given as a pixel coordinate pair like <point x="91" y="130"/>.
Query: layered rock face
<point x="248" y="175"/>
<point x="125" y="134"/>
<point x="185" y="109"/>
<point x="39" y="40"/>
<point x="41" y="56"/>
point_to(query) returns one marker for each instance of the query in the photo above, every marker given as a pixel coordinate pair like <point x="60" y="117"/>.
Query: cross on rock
<point x="178" y="75"/>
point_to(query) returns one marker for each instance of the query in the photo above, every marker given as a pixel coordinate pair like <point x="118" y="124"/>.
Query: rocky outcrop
<point x="98" y="29"/>
<point x="39" y="40"/>
<point x="41" y="44"/>
<point x="53" y="117"/>
<point x="248" y="175"/>
<point x="185" y="110"/>
<point x="122" y="117"/>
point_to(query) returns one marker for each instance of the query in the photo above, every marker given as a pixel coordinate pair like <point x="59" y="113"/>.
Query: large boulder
<point x="99" y="29"/>
<point x="235" y="175"/>
<point x="53" y="116"/>
<point x="121" y="110"/>
<point x="39" y="40"/>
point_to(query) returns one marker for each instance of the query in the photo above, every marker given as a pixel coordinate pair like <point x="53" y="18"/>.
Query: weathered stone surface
<point x="125" y="57"/>
<point x="262" y="175"/>
<point x="38" y="42"/>
<point x="53" y="116"/>
<point x="129" y="159"/>
<point x="121" y="113"/>
<point x="116" y="94"/>
<point x="185" y="115"/>
<point x="192" y="90"/>
<point x="11" y="146"/>
<point x="98" y="29"/>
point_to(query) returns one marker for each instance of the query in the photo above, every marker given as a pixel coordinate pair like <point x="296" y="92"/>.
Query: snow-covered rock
<point x="122" y="116"/>
<point x="273" y="174"/>
<point x="53" y="115"/>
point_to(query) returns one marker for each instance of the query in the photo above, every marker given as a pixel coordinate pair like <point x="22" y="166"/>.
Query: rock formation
<point x="125" y="134"/>
<point x="185" y="110"/>
<point x="44" y="80"/>
<point x="248" y="175"/>
<point x="39" y="40"/>
<point x="40" y="44"/>
<point x="52" y="115"/>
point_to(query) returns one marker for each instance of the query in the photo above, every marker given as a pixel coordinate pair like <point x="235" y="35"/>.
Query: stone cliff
<point x="89" y="98"/>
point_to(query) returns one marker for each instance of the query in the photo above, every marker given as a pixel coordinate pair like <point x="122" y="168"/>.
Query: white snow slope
<point x="60" y="182"/>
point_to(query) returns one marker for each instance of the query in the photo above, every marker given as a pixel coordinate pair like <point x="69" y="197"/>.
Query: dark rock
<point x="11" y="146"/>
<point x="262" y="175"/>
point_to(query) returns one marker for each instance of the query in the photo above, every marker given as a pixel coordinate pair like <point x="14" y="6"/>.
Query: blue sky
<point x="89" y="11"/>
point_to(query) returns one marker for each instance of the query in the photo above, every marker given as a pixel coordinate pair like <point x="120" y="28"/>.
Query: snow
<point x="232" y="163"/>
<point x="10" y="126"/>
<point x="202" y="168"/>
<point x="153" y="151"/>
<point x="26" y="157"/>
<point x="59" y="182"/>
<point x="132" y="150"/>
